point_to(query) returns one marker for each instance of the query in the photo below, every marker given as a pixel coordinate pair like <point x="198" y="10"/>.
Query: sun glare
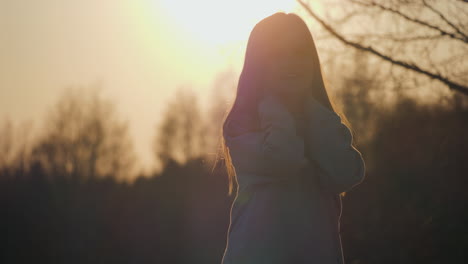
<point x="217" y="22"/>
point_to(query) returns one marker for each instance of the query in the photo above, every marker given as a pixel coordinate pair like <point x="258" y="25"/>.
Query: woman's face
<point x="290" y="72"/>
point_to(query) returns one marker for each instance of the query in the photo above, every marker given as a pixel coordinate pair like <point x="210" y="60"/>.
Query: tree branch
<point x="391" y="37"/>
<point x="414" y="20"/>
<point x="451" y="84"/>
<point x="463" y="35"/>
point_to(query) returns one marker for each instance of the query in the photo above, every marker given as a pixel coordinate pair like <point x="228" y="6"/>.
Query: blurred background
<point x="110" y="117"/>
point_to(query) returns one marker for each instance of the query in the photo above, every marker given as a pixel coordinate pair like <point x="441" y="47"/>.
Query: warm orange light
<point x="218" y="22"/>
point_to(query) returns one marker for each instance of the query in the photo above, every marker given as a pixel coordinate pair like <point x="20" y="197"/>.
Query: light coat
<point x="288" y="208"/>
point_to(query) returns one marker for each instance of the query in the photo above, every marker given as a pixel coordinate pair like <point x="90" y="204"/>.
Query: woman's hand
<point x="329" y="144"/>
<point x="291" y="95"/>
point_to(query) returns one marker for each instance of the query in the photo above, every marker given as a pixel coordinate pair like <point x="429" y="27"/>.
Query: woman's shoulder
<point x="318" y="111"/>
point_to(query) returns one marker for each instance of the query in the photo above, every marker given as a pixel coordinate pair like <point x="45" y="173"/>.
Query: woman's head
<point x="280" y="58"/>
<point x="286" y="54"/>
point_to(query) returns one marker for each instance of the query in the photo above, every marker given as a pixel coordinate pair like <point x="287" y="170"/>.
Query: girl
<point x="288" y="151"/>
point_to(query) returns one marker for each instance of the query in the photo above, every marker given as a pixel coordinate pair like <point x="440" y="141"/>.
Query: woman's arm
<point x="329" y="142"/>
<point x="276" y="150"/>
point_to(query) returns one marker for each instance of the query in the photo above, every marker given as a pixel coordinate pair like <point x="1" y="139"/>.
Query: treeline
<point x="409" y="209"/>
<point x="70" y="193"/>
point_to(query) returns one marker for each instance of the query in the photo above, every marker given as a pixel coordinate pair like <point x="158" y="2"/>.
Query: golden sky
<point x="140" y="50"/>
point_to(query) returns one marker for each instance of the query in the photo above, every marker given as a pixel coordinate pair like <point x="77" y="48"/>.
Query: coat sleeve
<point x="275" y="150"/>
<point x="329" y="143"/>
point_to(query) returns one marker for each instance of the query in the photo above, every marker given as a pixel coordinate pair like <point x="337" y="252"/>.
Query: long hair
<point x="262" y="46"/>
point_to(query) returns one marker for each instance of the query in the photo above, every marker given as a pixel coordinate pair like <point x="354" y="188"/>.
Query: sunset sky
<point x="141" y="51"/>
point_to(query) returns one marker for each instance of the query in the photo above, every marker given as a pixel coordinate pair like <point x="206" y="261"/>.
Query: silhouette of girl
<point x="288" y="151"/>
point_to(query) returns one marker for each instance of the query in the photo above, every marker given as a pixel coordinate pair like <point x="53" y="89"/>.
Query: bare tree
<point x="360" y="96"/>
<point x="15" y="147"/>
<point x="425" y="37"/>
<point x="181" y="135"/>
<point x="84" y="138"/>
